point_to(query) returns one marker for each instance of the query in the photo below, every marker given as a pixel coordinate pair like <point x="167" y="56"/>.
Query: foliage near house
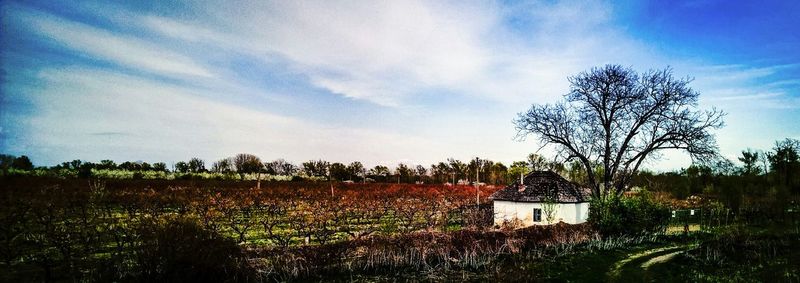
<point x="628" y="215"/>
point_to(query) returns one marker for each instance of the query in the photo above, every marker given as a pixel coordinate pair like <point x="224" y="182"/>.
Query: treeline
<point x="250" y="167"/>
<point x="775" y="172"/>
<point x="773" y="175"/>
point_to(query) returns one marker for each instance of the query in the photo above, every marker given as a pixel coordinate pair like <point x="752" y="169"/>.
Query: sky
<point x="381" y="82"/>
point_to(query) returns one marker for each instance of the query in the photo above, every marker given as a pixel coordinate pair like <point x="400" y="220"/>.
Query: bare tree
<point x="222" y="166"/>
<point x="617" y="119"/>
<point x="280" y="167"/>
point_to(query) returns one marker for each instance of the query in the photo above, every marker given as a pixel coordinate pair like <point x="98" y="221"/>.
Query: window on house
<point x="537" y="215"/>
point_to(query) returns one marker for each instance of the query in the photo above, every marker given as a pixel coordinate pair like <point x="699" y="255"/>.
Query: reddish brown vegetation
<point x="63" y="226"/>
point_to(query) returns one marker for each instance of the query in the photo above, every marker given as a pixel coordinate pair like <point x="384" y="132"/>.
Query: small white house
<point x="539" y="195"/>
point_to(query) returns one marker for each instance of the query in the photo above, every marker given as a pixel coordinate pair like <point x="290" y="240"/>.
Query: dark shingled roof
<point x="541" y="185"/>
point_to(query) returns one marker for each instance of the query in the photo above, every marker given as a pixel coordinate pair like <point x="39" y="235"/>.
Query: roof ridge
<point x="539" y="185"/>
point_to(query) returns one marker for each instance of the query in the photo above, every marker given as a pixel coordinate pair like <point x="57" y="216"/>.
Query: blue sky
<point x="380" y="82"/>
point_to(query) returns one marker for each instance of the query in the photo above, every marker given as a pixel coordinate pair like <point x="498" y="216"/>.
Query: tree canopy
<point x="617" y="118"/>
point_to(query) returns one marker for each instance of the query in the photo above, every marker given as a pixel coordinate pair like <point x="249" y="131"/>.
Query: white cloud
<point x="743" y="86"/>
<point x="78" y="109"/>
<point x="389" y="53"/>
<point x="386" y="52"/>
<point x="127" y="51"/>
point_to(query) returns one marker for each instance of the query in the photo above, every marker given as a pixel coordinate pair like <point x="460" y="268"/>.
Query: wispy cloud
<point x="107" y="134"/>
<point x="388" y="52"/>
<point x="181" y="123"/>
<point x="443" y="78"/>
<point x="745" y="86"/>
<point x="98" y="43"/>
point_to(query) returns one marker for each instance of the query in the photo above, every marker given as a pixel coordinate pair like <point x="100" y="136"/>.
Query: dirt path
<point x="635" y="267"/>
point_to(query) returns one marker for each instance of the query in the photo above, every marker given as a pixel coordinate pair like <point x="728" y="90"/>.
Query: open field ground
<point x="131" y="230"/>
<point x="62" y="228"/>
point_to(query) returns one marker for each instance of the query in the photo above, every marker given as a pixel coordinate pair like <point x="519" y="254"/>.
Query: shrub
<point x="180" y="249"/>
<point x="85" y="171"/>
<point x="429" y="252"/>
<point x="628" y="215"/>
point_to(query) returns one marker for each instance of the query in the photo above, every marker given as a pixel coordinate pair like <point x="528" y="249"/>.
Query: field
<point x="222" y="230"/>
<point x="67" y="228"/>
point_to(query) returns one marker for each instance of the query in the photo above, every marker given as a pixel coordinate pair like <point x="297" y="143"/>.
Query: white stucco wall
<point x="571" y="213"/>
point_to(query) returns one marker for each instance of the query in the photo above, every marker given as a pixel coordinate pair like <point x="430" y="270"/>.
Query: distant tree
<point x="196" y="165"/>
<point x="6" y="162"/>
<point x="75" y="164"/>
<point x="72" y="165"/>
<point x="245" y="163"/>
<point x="784" y="164"/>
<point x="379" y="172"/>
<point x="421" y="173"/>
<point x="699" y="177"/>
<point x="22" y="163"/>
<point x="160" y="167"/>
<point x="404" y="173"/>
<point x="557" y="167"/>
<point x="338" y="171"/>
<point x="722" y="166"/>
<point x="317" y="168"/>
<point x="271" y="167"/>
<point x="180" y="167"/>
<point x="576" y="173"/>
<point x="474" y="169"/>
<point x="355" y="169"/>
<point x="129" y="166"/>
<point x="85" y="169"/>
<point x="285" y="168"/>
<point x="750" y="158"/>
<point x="223" y="166"/>
<point x="457" y="169"/>
<point x="517" y="170"/>
<point x="618" y="118"/>
<point x="498" y="173"/>
<point x="537" y="162"/>
<point x="434" y="174"/>
<point x="486" y="171"/>
<point x="107" y="164"/>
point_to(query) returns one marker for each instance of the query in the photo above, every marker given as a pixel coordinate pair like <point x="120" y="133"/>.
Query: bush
<point x="180" y="249"/>
<point x="85" y="171"/>
<point x="628" y="216"/>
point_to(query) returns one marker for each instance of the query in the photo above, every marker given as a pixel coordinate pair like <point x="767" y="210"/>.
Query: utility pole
<point x="330" y="181"/>
<point x="477" y="170"/>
